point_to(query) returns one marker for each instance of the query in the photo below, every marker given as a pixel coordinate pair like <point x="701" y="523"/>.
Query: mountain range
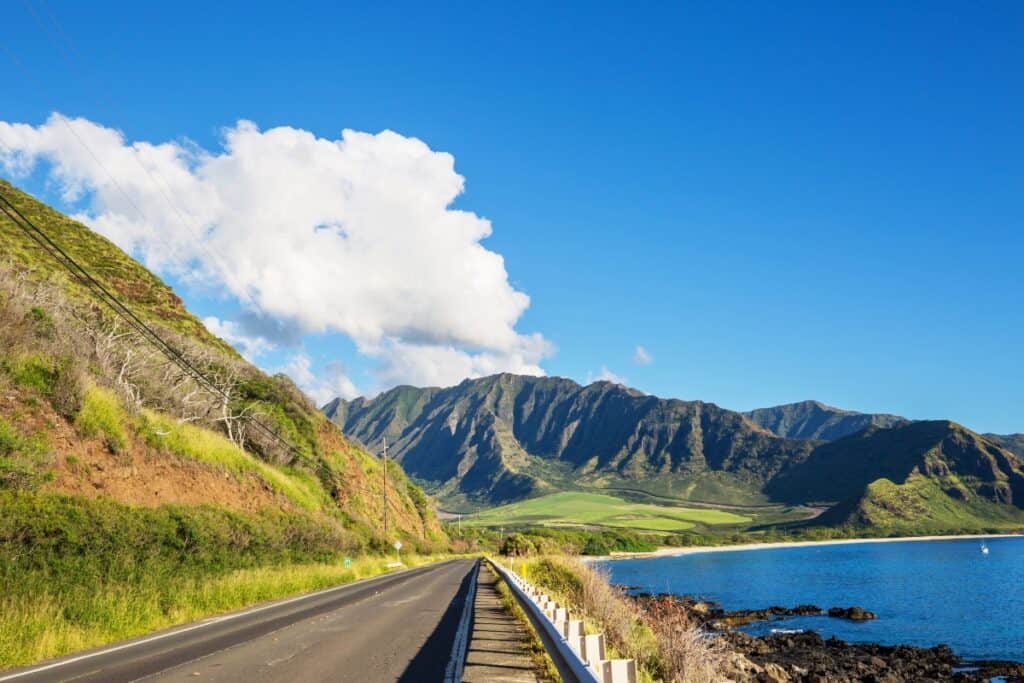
<point x="507" y="437"/>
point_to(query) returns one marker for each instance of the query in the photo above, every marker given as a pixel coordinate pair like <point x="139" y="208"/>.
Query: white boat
<point x="984" y="548"/>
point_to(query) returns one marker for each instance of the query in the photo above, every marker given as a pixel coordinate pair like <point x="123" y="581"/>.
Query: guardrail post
<point x="570" y="629"/>
<point x="563" y="638"/>
<point x="618" y="671"/>
<point x="590" y="648"/>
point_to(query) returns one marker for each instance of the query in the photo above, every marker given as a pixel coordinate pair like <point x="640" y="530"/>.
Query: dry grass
<point x="686" y="653"/>
<point x="666" y="645"/>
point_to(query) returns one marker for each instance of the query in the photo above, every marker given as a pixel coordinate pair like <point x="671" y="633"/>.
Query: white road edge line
<point x="186" y="629"/>
<point x="453" y="672"/>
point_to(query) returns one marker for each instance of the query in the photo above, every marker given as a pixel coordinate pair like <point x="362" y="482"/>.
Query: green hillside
<point x="922" y="476"/>
<point x="123" y="474"/>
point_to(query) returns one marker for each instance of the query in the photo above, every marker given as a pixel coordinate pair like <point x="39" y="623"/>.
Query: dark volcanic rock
<point x="806" y="657"/>
<point x="852" y="613"/>
<point x="720" y="619"/>
<point x="809" y="657"/>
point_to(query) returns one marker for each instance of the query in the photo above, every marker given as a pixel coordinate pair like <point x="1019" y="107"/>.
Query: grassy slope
<point x="117" y="518"/>
<point x="918" y="506"/>
<point x="329" y="463"/>
<point x="568" y="508"/>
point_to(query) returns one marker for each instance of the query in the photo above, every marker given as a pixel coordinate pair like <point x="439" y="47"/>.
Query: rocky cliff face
<point x="493" y="438"/>
<point x="814" y="420"/>
<point x="508" y="437"/>
<point x="1011" y="442"/>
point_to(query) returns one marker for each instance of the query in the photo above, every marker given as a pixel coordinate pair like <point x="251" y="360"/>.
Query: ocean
<point x="924" y="592"/>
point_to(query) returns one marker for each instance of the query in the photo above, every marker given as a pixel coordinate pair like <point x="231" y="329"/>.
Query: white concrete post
<point x="589" y="648"/>
<point x="570" y="629"/>
<point x="618" y="671"/>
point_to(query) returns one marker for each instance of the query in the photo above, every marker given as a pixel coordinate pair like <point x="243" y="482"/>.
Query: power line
<point x="70" y="53"/>
<point x="121" y="309"/>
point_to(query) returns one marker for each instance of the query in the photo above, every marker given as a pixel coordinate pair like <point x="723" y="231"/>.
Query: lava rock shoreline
<point x="806" y="657"/>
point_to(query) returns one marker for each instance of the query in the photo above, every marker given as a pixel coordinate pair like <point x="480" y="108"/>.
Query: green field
<point x="576" y="508"/>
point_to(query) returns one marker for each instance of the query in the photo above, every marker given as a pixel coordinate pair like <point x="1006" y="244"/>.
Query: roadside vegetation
<point x="545" y="668"/>
<point x="80" y="573"/>
<point x="133" y="498"/>
<point x="666" y="645"/>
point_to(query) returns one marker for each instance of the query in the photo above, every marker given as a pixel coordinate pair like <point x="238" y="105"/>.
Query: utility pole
<point x="385" y="486"/>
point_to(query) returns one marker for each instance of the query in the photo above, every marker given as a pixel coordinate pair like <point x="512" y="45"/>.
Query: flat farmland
<point x="596" y="509"/>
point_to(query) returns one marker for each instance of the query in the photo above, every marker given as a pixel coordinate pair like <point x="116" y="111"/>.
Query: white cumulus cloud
<point x="251" y="347"/>
<point x="354" y="235"/>
<point x="606" y="375"/>
<point x="642" y="356"/>
<point x="320" y="387"/>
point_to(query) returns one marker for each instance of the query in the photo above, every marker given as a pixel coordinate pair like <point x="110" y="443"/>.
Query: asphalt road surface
<point x="397" y="627"/>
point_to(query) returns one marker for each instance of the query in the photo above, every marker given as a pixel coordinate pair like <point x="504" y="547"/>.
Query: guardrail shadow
<point x="430" y="662"/>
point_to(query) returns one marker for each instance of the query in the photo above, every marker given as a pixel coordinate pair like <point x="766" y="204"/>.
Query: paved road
<point x="397" y="627"/>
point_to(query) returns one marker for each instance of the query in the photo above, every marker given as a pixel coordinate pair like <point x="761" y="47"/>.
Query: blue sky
<point x="776" y="203"/>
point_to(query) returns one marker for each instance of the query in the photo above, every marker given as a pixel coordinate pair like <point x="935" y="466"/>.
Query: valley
<point x="530" y="450"/>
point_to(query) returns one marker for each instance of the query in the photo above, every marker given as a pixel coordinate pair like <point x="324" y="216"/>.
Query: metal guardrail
<point x="579" y="658"/>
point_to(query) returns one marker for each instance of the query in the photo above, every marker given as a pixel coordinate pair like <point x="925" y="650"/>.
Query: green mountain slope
<point x="506" y="437"/>
<point x="965" y="462"/>
<point x="814" y="420"/>
<point x="922" y="475"/>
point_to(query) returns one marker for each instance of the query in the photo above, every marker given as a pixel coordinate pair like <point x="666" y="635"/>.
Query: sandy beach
<point x="675" y="552"/>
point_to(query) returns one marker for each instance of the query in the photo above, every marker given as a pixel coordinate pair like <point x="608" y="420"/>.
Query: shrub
<point x="101" y="415"/>
<point x="33" y="370"/>
<point x="518" y="545"/>
<point x="68" y="388"/>
<point x="666" y="644"/>
<point x="22" y="460"/>
<point x="686" y="653"/>
<point x="597" y="545"/>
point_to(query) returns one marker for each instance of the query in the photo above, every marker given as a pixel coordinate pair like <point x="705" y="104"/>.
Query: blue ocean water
<point x="924" y="592"/>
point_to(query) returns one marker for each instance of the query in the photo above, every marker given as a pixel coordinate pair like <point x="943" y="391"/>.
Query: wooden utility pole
<point x="385" y="486"/>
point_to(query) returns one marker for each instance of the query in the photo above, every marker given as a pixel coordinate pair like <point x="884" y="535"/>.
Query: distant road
<point x="397" y="627"/>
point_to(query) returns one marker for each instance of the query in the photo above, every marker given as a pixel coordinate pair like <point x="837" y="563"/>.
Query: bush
<point x="22" y="460"/>
<point x="101" y="415"/>
<point x="597" y="545"/>
<point x="33" y="370"/>
<point x="518" y="545"/>
<point x="68" y="388"/>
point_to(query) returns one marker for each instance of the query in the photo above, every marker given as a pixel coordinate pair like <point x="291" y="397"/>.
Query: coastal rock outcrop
<point x="852" y="613"/>
<point x="809" y="658"/>
<point x="806" y="657"/>
<point x="719" y="619"/>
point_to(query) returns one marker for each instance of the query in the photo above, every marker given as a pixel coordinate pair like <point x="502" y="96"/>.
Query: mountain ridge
<point x="506" y="437"/>
<point x="815" y="420"/>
